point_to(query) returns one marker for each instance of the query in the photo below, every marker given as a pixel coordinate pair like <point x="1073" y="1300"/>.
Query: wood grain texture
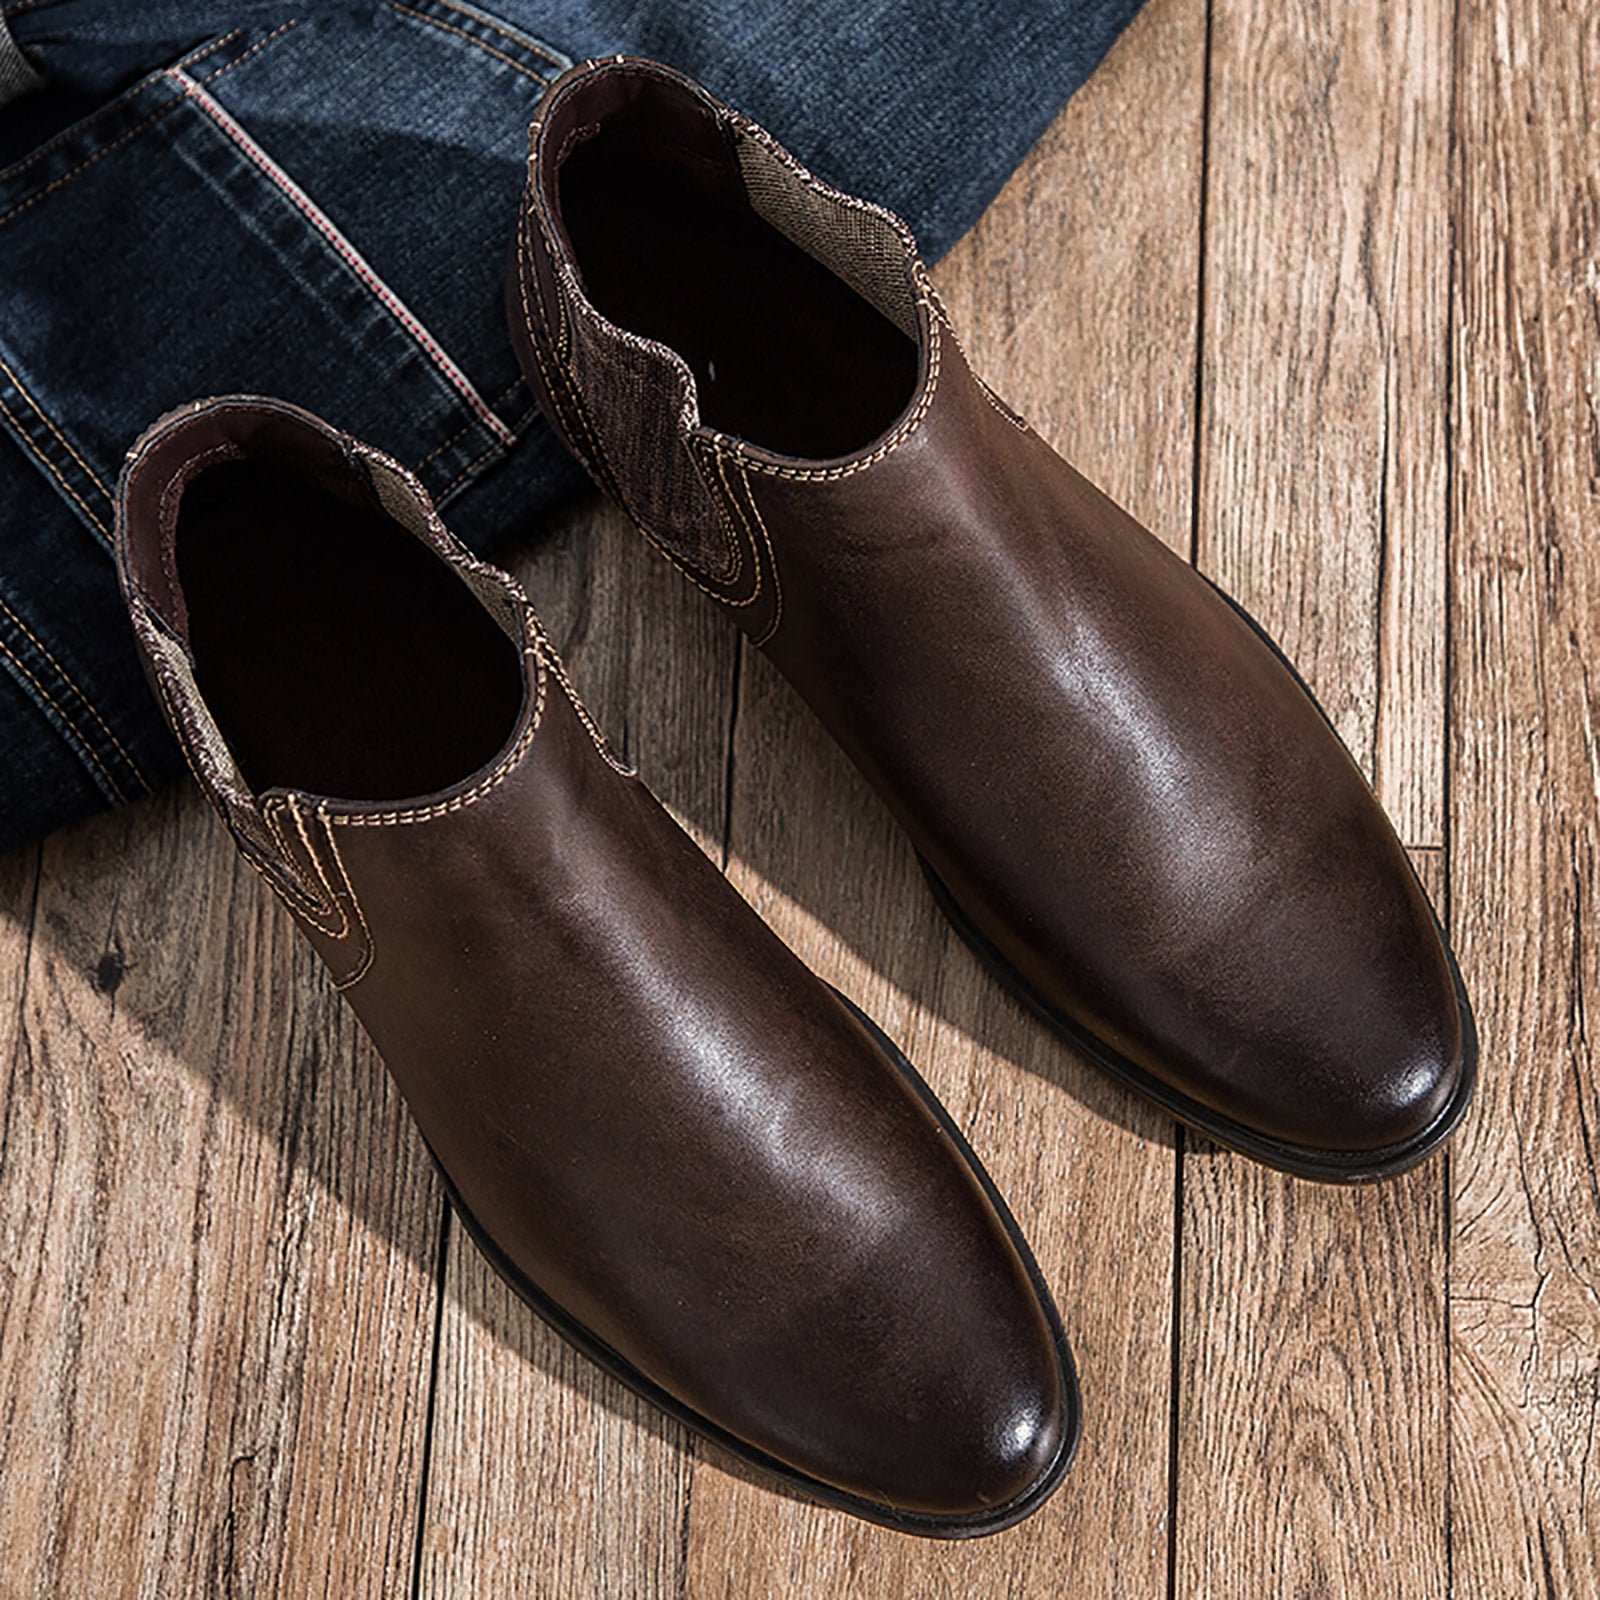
<point x="1525" y="799"/>
<point x="199" y="1158"/>
<point x="1322" y="462"/>
<point x="1310" y="1448"/>
<point x="1084" y="267"/>
<point x="1075" y="295"/>
<point x="547" y="1477"/>
<point x="241" y="1350"/>
<point x="1312" y="1379"/>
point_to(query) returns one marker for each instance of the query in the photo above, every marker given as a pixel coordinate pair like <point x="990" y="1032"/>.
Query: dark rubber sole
<point x="924" y="1524"/>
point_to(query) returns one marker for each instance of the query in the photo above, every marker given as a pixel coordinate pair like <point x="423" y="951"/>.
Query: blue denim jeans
<point x="200" y="197"/>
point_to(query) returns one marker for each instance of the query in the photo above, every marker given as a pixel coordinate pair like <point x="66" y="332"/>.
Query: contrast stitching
<point x="314" y="856"/>
<point x="66" y="677"/>
<point x="87" y="750"/>
<point x="166" y="515"/>
<point x="499" y="27"/>
<point x="577" y="705"/>
<point x="772" y="558"/>
<point x="239" y="61"/>
<point x="199" y="54"/>
<point x="83" y="166"/>
<point x="281" y="884"/>
<point x="597" y="462"/>
<point x="365" y="964"/>
<point x="466" y="427"/>
<point x="300" y="900"/>
<point x="53" y="470"/>
<point x="688" y="408"/>
<point x="744" y="522"/>
<point x="1015" y="418"/>
<point x="461" y="33"/>
<point x="898" y="437"/>
<point x="347" y="251"/>
<point x="214" y="791"/>
<point x="468" y="470"/>
<point x="388" y="819"/>
<point x="78" y="128"/>
<point x="602" y="464"/>
<point x="523" y="274"/>
<point x="655" y="539"/>
<point x="493" y="450"/>
<point x="66" y="443"/>
<point x="279" y="889"/>
<point x="729" y="578"/>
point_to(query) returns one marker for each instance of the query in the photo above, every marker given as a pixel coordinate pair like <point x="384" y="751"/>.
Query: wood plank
<point x="1085" y="266"/>
<point x="1313" y="1379"/>
<point x="1525" y="799"/>
<point x="19" y="888"/>
<point x="1323" y="431"/>
<point x="1310" y="1453"/>
<point x="548" y="1477"/>
<point x="200" y="1160"/>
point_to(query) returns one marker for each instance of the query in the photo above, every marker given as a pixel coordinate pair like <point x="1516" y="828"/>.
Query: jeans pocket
<point x="318" y="210"/>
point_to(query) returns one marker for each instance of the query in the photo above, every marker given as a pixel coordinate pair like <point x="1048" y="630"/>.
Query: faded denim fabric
<point x="316" y="202"/>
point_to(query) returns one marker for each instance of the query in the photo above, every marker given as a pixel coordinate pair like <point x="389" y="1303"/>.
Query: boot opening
<point x="794" y="310"/>
<point x="336" y="652"/>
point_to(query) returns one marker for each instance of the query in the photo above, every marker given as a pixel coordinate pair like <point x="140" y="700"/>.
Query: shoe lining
<point x="860" y="245"/>
<point x="337" y="654"/>
<point x="785" y="352"/>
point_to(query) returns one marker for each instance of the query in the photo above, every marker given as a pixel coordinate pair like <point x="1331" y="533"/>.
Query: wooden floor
<point x="1312" y="286"/>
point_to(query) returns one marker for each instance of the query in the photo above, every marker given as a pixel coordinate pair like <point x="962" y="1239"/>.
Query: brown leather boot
<point x="1122" y="795"/>
<point x="701" y="1165"/>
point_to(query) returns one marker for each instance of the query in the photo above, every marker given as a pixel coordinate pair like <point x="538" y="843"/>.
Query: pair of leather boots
<point x="702" y="1164"/>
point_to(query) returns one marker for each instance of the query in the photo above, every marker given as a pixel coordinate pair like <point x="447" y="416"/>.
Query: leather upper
<point x="1132" y="801"/>
<point x="662" y="1120"/>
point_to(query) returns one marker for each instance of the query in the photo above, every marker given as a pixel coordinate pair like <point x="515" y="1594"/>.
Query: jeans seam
<point x="83" y="166"/>
<point x="332" y="236"/>
<point x="540" y="78"/>
<point x="505" y="30"/>
<point x="76" y="129"/>
<point x="239" y="61"/>
<point x="209" y="48"/>
<point x="494" y="449"/>
<point x="83" y="748"/>
<point x="44" y="417"/>
<point x="67" y="678"/>
<point x="55" y="472"/>
<point x="467" y="427"/>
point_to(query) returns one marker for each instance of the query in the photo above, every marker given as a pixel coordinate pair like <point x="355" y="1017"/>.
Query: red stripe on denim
<point x="353" y="257"/>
